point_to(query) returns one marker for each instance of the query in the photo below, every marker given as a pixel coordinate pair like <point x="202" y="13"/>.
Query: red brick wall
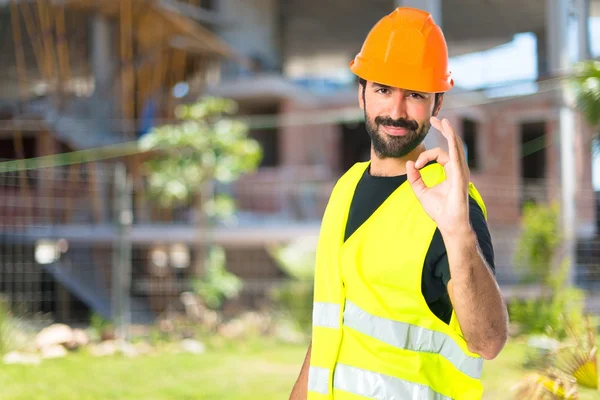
<point x="306" y="143"/>
<point x="499" y="145"/>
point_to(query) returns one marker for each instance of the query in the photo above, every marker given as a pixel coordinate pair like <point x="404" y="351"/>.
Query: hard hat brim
<point x="407" y="77"/>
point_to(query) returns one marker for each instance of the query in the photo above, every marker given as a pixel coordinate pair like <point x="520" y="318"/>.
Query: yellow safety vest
<point x="374" y="335"/>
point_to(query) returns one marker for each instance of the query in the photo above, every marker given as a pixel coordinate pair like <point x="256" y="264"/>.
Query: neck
<point x="393" y="166"/>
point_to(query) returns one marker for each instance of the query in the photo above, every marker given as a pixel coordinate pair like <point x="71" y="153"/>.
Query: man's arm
<point x="475" y="295"/>
<point x="300" y="390"/>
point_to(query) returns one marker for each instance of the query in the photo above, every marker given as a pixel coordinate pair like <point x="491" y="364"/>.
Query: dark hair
<point x="362" y="82"/>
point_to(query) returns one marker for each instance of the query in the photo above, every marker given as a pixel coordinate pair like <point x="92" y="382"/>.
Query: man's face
<point x="397" y="120"/>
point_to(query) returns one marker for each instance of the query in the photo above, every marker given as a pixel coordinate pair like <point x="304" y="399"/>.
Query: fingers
<point x="414" y="179"/>
<point x="436" y="123"/>
<point x="455" y="147"/>
<point x="436" y="154"/>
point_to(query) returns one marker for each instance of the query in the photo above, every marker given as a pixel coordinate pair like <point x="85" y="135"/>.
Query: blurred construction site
<point x="81" y="80"/>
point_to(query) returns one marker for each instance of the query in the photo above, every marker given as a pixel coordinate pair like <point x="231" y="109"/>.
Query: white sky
<point x="510" y="62"/>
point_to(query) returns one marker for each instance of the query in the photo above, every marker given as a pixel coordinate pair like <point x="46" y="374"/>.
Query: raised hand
<point x="447" y="203"/>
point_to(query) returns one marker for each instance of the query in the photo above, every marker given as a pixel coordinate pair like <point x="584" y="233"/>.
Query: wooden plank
<point x="22" y="79"/>
<point x="49" y="58"/>
<point x="35" y="39"/>
<point x="64" y="69"/>
<point x="127" y="72"/>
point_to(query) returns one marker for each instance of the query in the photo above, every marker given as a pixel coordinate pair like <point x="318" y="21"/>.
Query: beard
<point x="387" y="146"/>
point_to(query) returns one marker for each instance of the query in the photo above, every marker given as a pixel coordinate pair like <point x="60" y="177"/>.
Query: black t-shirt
<point x="372" y="191"/>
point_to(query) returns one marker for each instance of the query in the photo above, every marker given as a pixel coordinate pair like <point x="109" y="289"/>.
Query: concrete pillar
<point x="583" y="33"/>
<point x="560" y="15"/>
<point x="557" y="23"/>
<point x="434" y="7"/>
<point x="584" y="155"/>
<point x="559" y="63"/>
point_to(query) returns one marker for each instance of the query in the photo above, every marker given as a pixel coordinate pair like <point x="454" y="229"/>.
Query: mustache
<point x="397" y="123"/>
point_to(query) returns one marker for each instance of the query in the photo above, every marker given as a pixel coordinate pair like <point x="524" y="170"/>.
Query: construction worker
<point x="406" y="305"/>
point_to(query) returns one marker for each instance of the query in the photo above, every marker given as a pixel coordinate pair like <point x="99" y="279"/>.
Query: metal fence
<point x="83" y="240"/>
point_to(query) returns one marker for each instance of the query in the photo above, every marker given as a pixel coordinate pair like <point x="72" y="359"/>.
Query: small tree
<point x="538" y="243"/>
<point x="207" y="146"/>
<point x="537" y="257"/>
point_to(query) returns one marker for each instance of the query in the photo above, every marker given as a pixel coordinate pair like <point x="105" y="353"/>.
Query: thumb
<point x="414" y="179"/>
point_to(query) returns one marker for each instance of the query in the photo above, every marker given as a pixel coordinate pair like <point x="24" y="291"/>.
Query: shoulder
<point x="348" y="180"/>
<point x="353" y="174"/>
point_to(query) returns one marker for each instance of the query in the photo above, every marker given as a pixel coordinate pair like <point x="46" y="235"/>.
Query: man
<point x="406" y="305"/>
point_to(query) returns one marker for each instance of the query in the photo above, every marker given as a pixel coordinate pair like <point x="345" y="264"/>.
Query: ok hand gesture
<point x="447" y="203"/>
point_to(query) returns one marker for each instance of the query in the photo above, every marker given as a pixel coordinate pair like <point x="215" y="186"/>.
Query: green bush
<point x="538" y="243"/>
<point x="551" y="317"/>
<point x="9" y="329"/>
<point x="100" y="325"/>
<point x="559" y="305"/>
<point x="205" y="145"/>
<point x="295" y="296"/>
<point x="218" y="284"/>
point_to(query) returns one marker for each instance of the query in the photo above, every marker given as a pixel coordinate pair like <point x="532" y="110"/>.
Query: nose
<point x="398" y="105"/>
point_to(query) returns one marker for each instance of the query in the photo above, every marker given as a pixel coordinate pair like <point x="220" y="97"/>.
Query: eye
<point x="416" y="95"/>
<point x="383" y="91"/>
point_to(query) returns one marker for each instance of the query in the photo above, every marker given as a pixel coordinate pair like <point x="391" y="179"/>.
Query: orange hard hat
<point x="405" y="49"/>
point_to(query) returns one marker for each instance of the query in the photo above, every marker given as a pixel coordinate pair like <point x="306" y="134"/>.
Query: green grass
<point x="250" y="373"/>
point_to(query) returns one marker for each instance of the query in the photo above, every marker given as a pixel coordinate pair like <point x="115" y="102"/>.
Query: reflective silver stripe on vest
<point x="326" y="315"/>
<point x="318" y="380"/>
<point x="411" y="337"/>
<point x="382" y="387"/>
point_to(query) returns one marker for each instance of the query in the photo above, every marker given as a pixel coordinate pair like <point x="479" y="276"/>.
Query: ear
<point x="438" y="106"/>
<point x="361" y="100"/>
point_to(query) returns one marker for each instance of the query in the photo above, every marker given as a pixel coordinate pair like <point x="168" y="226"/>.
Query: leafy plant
<point x="297" y="259"/>
<point x="579" y="358"/>
<point x="535" y="255"/>
<point x="538" y="243"/>
<point x="218" y="284"/>
<point x="295" y="296"/>
<point x="549" y="314"/>
<point x="7" y="329"/>
<point x="586" y="85"/>
<point x="546" y="386"/>
<point x="207" y="145"/>
<point x="102" y="327"/>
